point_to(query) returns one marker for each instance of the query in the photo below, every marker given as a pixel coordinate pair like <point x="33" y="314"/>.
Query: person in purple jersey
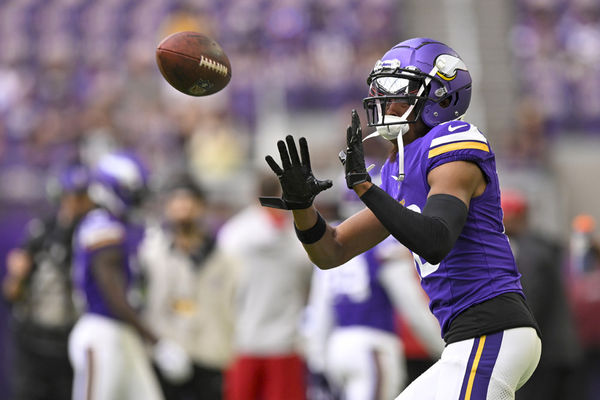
<point x="445" y="208"/>
<point x="107" y="344"/>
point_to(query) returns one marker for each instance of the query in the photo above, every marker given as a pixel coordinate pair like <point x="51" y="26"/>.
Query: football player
<point x="106" y="346"/>
<point x="445" y="208"/>
<point x="37" y="285"/>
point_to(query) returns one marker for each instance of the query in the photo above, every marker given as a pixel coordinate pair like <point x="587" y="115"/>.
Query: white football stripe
<point x="472" y="134"/>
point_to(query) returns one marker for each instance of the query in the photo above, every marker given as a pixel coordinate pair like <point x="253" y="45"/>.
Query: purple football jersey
<point x="98" y="230"/>
<point x="358" y="297"/>
<point x="481" y="264"/>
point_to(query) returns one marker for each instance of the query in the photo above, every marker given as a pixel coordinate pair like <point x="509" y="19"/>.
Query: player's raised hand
<point x="298" y="184"/>
<point x="353" y="157"/>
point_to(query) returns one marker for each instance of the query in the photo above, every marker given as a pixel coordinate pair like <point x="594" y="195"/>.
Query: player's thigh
<point x="491" y="367"/>
<point x="517" y="359"/>
<point x="425" y="386"/>
<point x="96" y="357"/>
<point x="365" y="363"/>
<point x="142" y="382"/>
<point x="446" y="379"/>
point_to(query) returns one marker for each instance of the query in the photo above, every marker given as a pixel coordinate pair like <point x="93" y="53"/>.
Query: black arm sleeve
<point x="431" y="234"/>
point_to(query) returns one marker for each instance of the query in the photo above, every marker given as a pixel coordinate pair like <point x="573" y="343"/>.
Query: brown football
<point x="193" y="63"/>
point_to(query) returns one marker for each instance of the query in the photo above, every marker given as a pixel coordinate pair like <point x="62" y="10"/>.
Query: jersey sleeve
<point x="99" y="230"/>
<point x="459" y="141"/>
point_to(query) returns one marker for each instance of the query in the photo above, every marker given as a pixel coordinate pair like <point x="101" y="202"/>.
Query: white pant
<point x="491" y="367"/>
<point x="365" y="363"/>
<point x="109" y="362"/>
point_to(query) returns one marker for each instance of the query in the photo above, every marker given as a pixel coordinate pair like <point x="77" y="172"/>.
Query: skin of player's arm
<point x="108" y="272"/>
<point x="462" y="179"/>
<point x="355" y="235"/>
<point x="18" y="267"/>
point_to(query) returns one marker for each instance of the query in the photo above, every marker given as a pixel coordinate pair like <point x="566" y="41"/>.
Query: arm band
<point x="431" y="234"/>
<point x="313" y="234"/>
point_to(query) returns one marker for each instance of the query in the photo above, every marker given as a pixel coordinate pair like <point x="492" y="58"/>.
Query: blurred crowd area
<point x="556" y="49"/>
<point x="79" y="76"/>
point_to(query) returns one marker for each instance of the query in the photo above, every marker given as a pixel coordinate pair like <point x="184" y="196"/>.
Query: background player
<point x="352" y="316"/>
<point x="106" y="345"/>
<point x="38" y="285"/>
<point x="445" y="209"/>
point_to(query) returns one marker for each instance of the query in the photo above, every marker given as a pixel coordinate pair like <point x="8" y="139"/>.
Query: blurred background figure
<point x="584" y="285"/>
<point x="38" y="285"/>
<point x="106" y="346"/>
<point x="190" y="290"/>
<point x="540" y="260"/>
<point x="351" y="328"/>
<point x="274" y="282"/>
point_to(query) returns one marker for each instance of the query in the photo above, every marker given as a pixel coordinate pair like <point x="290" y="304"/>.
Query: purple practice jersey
<point x="481" y="264"/>
<point x="358" y="297"/>
<point x="98" y="230"/>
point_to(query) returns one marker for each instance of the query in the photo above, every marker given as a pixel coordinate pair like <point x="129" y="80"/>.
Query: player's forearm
<point x="325" y="252"/>
<point x="339" y="244"/>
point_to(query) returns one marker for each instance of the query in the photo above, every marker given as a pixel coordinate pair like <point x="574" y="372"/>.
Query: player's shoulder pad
<point x="99" y="229"/>
<point x="456" y="135"/>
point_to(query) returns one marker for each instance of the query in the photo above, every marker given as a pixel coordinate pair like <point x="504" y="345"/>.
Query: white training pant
<point x="109" y="362"/>
<point x="365" y="363"/>
<point x="490" y="367"/>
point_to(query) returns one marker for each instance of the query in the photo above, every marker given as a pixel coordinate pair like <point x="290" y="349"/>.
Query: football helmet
<point x="426" y="74"/>
<point x="73" y="178"/>
<point x="119" y="182"/>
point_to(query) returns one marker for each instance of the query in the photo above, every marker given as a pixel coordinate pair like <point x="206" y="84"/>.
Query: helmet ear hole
<point x="446" y="102"/>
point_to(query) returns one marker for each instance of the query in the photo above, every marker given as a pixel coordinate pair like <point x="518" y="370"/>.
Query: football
<point x="193" y="63"/>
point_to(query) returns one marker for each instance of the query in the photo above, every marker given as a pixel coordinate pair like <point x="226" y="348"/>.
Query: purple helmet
<point x="427" y="74"/>
<point x="119" y="182"/>
<point x="73" y="178"/>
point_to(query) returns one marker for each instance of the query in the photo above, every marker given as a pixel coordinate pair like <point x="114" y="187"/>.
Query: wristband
<point x="313" y="234"/>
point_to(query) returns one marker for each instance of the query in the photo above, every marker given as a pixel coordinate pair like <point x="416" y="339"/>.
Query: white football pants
<point x="490" y="367"/>
<point x="109" y="362"/>
<point x="365" y="363"/>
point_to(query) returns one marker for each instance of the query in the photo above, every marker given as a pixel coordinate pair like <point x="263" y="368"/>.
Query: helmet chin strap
<point x="396" y="131"/>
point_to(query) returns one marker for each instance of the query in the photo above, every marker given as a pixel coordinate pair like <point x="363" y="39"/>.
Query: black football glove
<point x="353" y="157"/>
<point x="298" y="184"/>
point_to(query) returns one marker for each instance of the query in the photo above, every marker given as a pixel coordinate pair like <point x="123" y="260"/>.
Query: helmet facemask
<point x="390" y="85"/>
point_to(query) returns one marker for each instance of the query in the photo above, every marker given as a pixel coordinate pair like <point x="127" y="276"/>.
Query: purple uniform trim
<point x="480" y="366"/>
